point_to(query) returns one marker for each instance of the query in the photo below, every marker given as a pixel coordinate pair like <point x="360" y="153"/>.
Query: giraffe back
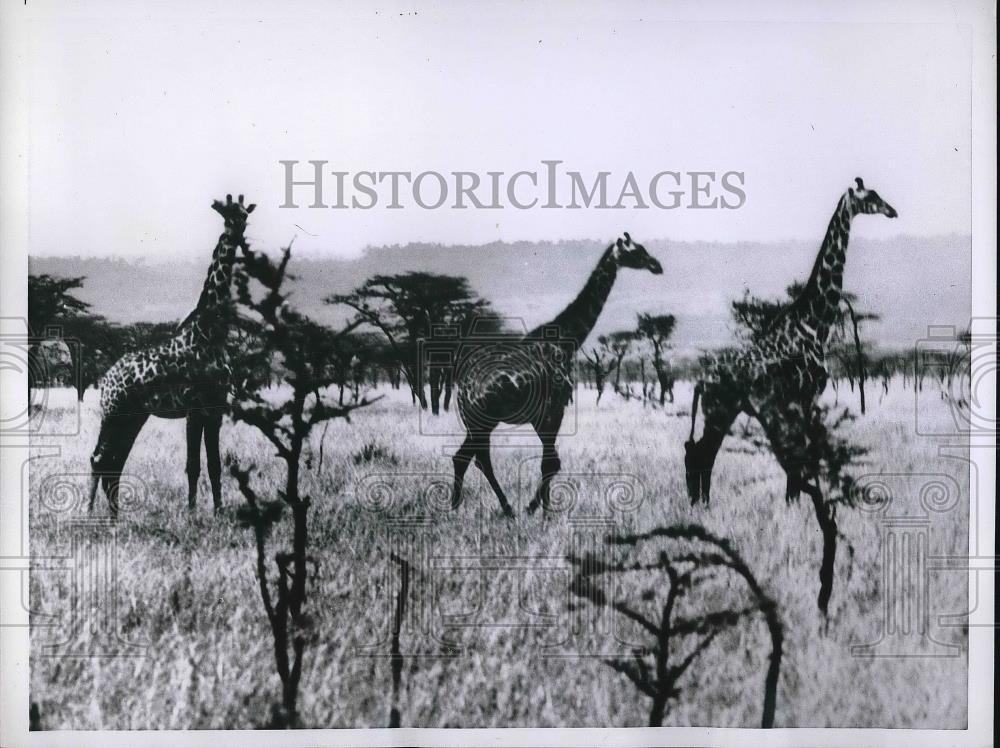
<point x="520" y="382"/>
<point x="167" y="380"/>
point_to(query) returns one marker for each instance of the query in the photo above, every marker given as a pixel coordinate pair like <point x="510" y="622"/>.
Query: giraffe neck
<point x="819" y="303"/>
<point x="578" y="319"/>
<point x="209" y="317"/>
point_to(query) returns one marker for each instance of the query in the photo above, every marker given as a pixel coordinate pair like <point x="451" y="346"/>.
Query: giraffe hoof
<point x="696" y="487"/>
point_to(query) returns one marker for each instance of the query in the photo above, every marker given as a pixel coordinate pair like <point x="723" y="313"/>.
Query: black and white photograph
<point x="405" y="373"/>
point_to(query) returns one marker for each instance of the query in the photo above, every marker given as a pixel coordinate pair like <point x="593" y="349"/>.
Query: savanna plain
<point x="493" y="635"/>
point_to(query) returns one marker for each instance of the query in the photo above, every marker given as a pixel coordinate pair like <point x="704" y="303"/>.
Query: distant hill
<point x="912" y="282"/>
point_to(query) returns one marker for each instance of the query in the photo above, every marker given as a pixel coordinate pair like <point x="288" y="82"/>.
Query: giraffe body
<point x="780" y="374"/>
<point x="186" y="376"/>
<point x="778" y="378"/>
<point x="530" y="380"/>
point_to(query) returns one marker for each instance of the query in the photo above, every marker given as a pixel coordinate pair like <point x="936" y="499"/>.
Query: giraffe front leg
<point x="194" y="428"/>
<point x="548" y="430"/>
<point x="551" y="465"/>
<point x="460" y="462"/>
<point x="797" y="438"/>
<point x="826" y="516"/>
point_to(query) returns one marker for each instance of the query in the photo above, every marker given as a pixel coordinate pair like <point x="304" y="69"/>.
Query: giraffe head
<point x="629" y="254"/>
<point x="868" y="201"/>
<point x="235" y="214"/>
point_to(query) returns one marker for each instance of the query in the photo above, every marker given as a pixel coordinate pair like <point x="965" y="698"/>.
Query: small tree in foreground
<point x="701" y="571"/>
<point x="280" y="331"/>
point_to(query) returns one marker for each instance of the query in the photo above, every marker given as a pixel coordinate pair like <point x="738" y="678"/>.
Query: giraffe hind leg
<point x="699" y="456"/>
<point x="213" y="425"/>
<point x="118" y="434"/>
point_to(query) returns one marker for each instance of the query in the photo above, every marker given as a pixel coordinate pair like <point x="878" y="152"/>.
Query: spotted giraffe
<point x="779" y="376"/>
<point x="531" y="380"/>
<point x="187" y="376"/>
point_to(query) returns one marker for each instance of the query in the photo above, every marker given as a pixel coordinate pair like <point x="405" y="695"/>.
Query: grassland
<point x="489" y="604"/>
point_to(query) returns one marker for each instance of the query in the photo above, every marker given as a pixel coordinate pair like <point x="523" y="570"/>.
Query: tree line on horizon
<point x="412" y="329"/>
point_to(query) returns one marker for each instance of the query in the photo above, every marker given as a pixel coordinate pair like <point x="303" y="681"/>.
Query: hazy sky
<point x="139" y="118"/>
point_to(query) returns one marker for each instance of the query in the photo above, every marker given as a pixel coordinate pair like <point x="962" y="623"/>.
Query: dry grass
<point x="480" y="641"/>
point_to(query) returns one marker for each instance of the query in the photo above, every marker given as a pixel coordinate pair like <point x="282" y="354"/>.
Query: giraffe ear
<point x="251" y="207"/>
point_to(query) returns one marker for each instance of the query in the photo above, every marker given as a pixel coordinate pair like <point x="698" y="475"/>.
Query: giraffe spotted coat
<point x="779" y="375"/>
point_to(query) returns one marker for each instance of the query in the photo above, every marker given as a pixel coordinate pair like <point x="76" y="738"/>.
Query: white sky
<point x="139" y="118"/>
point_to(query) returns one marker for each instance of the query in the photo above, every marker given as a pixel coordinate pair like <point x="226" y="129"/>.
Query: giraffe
<point x="531" y="380"/>
<point x="187" y="376"/>
<point x="779" y="376"/>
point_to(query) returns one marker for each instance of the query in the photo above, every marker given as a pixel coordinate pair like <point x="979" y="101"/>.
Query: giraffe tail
<point x="694" y="408"/>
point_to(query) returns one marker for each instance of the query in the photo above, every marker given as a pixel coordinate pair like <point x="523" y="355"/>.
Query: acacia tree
<point x="619" y="344"/>
<point x="50" y="300"/>
<point x="97" y="344"/>
<point x="283" y="333"/>
<point x="406" y="308"/>
<point x="50" y="303"/>
<point x="657" y="329"/>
